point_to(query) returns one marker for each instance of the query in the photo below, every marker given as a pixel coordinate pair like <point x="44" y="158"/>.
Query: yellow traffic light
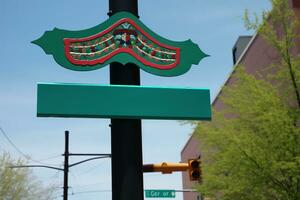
<point x="193" y="166"/>
<point x="194" y="169"/>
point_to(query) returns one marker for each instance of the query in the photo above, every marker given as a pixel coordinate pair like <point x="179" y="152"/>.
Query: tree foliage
<point x="19" y="184"/>
<point x="280" y="28"/>
<point x="251" y="149"/>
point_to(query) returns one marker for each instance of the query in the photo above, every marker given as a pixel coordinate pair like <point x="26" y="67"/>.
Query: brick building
<point x="254" y="54"/>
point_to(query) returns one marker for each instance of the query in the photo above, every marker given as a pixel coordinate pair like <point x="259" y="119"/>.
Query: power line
<point x="11" y="143"/>
<point x="92" y="184"/>
<point x="90" y="191"/>
<point x="50" y="157"/>
<point x="74" y="178"/>
<point x="18" y="149"/>
<point x="101" y="191"/>
<point x="91" y="169"/>
<point x="67" y="166"/>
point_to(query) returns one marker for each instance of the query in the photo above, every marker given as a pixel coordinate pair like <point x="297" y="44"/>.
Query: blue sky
<point x="213" y="25"/>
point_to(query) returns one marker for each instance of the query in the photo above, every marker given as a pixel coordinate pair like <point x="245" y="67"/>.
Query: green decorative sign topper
<point x="124" y="39"/>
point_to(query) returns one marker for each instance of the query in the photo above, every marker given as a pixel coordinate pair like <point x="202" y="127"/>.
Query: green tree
<point x="280" y="29"/>
<point x="251" y="149"/>
<point x="19" y="184"/>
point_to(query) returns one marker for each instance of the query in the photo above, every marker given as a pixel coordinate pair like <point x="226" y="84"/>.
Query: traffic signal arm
<point x="192" y="166"/>
<point x="166" y="168"/>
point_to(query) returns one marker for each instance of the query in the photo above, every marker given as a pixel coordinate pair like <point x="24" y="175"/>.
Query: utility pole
<point x="126" y="134"/>
<point x="66" y="165"/>
<point x="66" y="155"/>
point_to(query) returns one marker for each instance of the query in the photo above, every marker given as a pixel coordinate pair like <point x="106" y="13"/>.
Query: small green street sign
<point x="160" y="193"/>
<point x="122" y="38"/>
<point x="120" y="101"/>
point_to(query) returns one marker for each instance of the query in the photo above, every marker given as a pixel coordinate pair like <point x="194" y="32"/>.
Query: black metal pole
<point x="66" y="165"/>
<point x="123" y="5"/>
<point x="126" y="134"/>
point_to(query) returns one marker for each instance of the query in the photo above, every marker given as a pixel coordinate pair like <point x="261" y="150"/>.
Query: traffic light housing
<point x="195" y="170"/>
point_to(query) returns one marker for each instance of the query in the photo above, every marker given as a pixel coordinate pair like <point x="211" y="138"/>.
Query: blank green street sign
<point x="160" y="193"/>
<point x="120" y="101"/>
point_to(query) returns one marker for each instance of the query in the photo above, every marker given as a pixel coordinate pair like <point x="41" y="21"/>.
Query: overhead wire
<point x="83" y="192"/>
<point x="18" y="149"/>
<point x="91" y="169"/>
<point x="91" y="191"/>
<point x="92" y="184"/>
<point x="50" y="157"/>
<point x="74" y="178"/>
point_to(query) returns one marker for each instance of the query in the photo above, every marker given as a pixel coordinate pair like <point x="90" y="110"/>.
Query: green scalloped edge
<point x="52" y="42"/>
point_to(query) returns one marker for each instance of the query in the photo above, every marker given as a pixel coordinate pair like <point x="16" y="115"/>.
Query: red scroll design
<point x="124" y="36"/>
